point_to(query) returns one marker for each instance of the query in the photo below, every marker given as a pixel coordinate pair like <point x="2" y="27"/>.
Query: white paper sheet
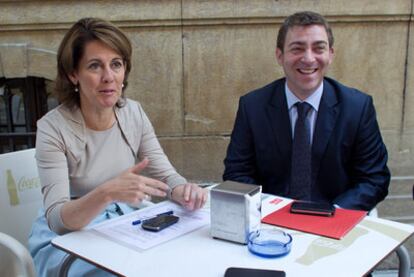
<point x="121" y="229"/>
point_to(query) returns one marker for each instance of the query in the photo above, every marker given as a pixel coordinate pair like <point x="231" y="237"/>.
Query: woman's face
<point x="99" y="77"/>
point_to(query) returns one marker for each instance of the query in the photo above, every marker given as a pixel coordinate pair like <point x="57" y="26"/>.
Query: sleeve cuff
<point x="54" y="220"/>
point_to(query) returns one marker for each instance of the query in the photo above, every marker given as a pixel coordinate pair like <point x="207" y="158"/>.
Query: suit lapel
<point x="325" y="123"/>
<point x="279" y="120"/>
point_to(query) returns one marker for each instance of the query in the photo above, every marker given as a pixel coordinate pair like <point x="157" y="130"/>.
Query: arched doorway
<point x="25" y="93"/>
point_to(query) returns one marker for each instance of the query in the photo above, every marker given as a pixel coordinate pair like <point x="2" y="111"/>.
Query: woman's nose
<point x="108" y="75"/>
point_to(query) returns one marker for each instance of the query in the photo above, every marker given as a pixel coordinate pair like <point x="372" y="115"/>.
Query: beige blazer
<point x="60" y="154"/>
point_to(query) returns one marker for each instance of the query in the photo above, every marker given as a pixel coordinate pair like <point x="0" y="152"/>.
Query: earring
<point x="76" y="88"/>
<point x="122" y="85"/>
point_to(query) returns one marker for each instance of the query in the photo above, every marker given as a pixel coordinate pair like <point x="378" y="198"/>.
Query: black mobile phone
<point x="312" y="208"/>
<point x="252" y="272"/>
<point x="159" y="222"/>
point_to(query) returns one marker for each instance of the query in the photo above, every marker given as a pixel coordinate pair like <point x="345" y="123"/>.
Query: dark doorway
<point x="22" y="102"/>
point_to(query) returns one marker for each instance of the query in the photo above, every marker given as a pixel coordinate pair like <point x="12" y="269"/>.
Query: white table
<point x="197" y="254"/>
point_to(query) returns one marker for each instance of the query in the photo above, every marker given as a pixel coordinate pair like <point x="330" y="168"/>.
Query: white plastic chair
<point x="20" y="201"/>
<point x="15" y="260"/>
<point x="20" y="195"/>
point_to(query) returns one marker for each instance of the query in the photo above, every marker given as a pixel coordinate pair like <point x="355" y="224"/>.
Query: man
<point x="326" y="150"/>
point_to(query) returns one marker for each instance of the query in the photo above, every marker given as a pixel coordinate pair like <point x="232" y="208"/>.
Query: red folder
<point x="335" y="227"/>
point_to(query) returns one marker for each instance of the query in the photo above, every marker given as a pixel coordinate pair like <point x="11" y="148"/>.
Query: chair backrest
<point x="15" y="259"/>
<point x="20" y="194"/>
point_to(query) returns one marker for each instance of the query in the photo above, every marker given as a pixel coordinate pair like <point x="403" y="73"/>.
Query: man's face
<point x="305" y="58"/>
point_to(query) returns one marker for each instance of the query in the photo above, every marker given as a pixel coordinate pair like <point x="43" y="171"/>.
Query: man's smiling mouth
<point x="307" y="71"/>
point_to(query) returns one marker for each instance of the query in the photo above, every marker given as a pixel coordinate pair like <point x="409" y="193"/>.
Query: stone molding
<point x="19" y="60"/>
<point x="25" y="15"/>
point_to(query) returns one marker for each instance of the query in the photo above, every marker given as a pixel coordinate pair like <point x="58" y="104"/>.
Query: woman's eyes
<point x="93" y="66"/>
<point x="115" y="65"/>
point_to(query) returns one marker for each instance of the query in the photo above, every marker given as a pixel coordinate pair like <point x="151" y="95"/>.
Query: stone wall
<point x="193" y="59"/>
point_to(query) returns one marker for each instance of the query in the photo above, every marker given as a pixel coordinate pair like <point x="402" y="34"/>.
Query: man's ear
<point x="331" y="55"/>
<point x="279" y="56"/>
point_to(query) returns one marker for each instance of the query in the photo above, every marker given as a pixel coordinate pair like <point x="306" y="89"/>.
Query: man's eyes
<point x="297" y="49"/>
<point x="318" y="49"/>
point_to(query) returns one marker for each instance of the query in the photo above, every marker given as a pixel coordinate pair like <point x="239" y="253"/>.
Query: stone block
<point x="166" y="12"/>
<point x="406" y="152"/>
<point x="199" y="159"/>
<point x="398" y="208"/>
<point x="40" y="57"/>
<point x="13" y="59"/>
<point x="231" y="57"/>
<point x="362" y="60"/>
<point x="221" y="64"/>
<point x="43" y="40"/>
<point x="61" y="12"/>
<point x="155" y="80"/>
<point x="400" y="152"/>
<point x="156" y="77"/>
<point x="402" y="186"/>
<point x="42" y="63"/>
<point x="223" y="9"/>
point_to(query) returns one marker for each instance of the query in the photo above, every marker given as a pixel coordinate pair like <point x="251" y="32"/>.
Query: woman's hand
<point x="128" y="187"/>
<point x="132" y="188"/>
<point x="189" y="195"/>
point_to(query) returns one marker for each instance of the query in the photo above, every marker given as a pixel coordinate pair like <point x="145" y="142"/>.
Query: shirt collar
<point x="314" y="99"/>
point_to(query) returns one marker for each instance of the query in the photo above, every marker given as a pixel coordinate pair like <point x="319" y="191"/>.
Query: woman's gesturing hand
<point x="132" y="188"/>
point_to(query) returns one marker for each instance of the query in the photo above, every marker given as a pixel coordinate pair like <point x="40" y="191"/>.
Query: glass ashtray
<point x="269" y="243"/>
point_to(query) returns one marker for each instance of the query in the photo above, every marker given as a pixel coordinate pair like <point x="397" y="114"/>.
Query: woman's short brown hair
<point x="72" y="48"/>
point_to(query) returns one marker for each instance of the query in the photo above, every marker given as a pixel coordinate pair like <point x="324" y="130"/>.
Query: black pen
<point x="139" y="221"/>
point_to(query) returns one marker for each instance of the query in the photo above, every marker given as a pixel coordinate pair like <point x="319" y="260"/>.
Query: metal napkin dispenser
<point x="235" y="211"/>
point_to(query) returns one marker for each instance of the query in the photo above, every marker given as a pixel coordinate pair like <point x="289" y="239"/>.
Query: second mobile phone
<point x="159" y="222"/>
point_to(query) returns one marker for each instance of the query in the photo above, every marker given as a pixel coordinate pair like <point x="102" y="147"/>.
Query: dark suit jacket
<point x="348" y="155"/>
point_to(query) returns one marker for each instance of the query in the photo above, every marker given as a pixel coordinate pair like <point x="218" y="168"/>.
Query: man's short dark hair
<point x="305" y="18"/>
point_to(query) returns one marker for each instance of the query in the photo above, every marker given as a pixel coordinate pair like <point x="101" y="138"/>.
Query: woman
<point x="92" y="148"/>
